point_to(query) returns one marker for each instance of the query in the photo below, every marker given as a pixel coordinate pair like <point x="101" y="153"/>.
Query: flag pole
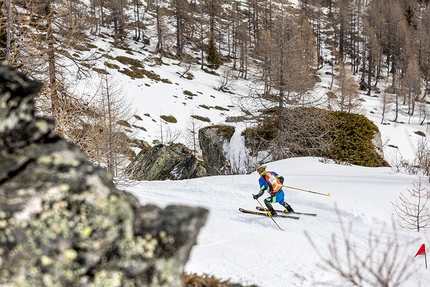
<point x="421" y="251"/>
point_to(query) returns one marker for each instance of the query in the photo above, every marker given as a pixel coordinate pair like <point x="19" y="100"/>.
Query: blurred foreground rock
<point x="63" y="222"/>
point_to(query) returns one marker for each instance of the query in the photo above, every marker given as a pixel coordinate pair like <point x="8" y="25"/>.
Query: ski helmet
<point x="261" y="169"/>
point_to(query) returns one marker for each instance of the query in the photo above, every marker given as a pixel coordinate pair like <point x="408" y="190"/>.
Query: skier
<point x="272" y="182"/>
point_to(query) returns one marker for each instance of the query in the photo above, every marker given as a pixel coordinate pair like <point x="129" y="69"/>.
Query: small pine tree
<point x="213" y="57"/>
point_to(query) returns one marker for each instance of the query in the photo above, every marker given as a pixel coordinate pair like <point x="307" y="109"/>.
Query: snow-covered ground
<point x="250" y="249"/>
<point x="184" y="98"/>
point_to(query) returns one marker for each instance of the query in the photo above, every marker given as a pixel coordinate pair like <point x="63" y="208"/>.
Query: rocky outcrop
<point x="212" y="140"/>
<point x="63" y="222"/>
<point x="377" y="144"/>
<point x="176" y="161"/>
<point x="163" y="162"/>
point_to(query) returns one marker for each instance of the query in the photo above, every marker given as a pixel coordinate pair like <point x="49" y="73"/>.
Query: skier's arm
<point x="278" y="176"/>
<point x="263" y="187"/>
<point x="261" y="191"/>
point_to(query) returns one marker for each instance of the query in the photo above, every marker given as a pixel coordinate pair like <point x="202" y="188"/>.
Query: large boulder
<point x="212" y="140"/>
<point x="378" y="144"/>
<point x="62" y="220"/>
<point x="163" y="162"/>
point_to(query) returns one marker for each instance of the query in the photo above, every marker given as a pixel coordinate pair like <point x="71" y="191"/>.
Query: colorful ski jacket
<point x="270" y="182"/>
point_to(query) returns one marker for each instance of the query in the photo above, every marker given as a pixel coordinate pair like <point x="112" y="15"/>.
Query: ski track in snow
<point x="250" y="249"/>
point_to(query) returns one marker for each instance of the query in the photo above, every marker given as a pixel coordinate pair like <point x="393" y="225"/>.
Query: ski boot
<point x="272" y="213"/>
<point x="288" y="208"/>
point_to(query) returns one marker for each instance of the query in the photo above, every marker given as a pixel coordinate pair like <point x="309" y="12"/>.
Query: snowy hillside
<point x="251" y="250"/>
<point x="183" y="98"/>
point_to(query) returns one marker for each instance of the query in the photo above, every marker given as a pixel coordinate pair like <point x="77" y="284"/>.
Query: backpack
<point x="274" y="183"/>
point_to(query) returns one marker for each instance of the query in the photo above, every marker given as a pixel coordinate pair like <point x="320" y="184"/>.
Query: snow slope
<point x="249" y="249"/>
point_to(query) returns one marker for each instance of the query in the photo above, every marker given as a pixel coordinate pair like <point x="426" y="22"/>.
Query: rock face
<point x="176" y="161"/>
<point x="377" y="144"/>
<point x="63" y="222"/>
<point x="163" y="162"/>
<point x="212" y="140"/>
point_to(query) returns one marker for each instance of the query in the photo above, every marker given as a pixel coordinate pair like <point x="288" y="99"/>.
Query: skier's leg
<point x="287" y="207"/>
<point x="268" y="202"/>
<point x="280" y="199"/>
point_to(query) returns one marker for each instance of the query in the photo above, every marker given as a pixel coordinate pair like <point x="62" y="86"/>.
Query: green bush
<point x="194" y="280"/>
<point x="91" y="46"/>
<point x="111" y="65"/>
<point x="226" y="131"/>
<point x="261" y="134"/>
<point x="123" y="123"/>
<point x="349" y="136"/>
<point x="213" y="57"/>
<point x="221" y="108"/>
<point x="200" y="118"/>
<point x="129" y="61"/>
<point x="189" y="93"/>
<point x="205" y="107"/>
<point x="169" y="119"/>
<point x="134" y="73"/>
<point x="352" y="140"/>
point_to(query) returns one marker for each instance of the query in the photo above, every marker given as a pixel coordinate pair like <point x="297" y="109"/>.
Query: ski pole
<point x="269" y="215"/>
<point x="305" y="190"/>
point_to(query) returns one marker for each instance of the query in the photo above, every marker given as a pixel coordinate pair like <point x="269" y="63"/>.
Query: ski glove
<point x="281" y="179"/>
<point x="255" y="196"/>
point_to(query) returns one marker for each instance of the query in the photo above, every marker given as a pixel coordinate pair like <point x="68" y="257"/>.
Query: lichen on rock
<point x="62" y="220"/>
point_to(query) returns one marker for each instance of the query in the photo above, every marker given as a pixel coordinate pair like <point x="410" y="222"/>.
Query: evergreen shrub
<point x="352" y="140"/>
<point x="349" y="138"/>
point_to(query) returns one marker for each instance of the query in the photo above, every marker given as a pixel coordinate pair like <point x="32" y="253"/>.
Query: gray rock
<point x="377" y="144"/>
<point x="62" y="220"/>
<point x="163" y="162"/>
<point x="212" y="140"/>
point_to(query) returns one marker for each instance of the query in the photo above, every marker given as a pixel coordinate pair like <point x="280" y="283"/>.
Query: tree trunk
<point x="55" y="101"/>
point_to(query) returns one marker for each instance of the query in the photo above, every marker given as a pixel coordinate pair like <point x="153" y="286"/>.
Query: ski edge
<point x="298" y="213"/>
<point x="265" y="214"/>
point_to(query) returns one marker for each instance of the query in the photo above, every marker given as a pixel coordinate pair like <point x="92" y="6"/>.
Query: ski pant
<point x="279" y="198"/>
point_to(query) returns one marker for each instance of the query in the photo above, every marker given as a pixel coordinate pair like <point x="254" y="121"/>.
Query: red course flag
<point x="421" y="251"/>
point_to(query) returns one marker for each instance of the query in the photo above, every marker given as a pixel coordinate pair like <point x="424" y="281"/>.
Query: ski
<point x="281" y="211"/>
<point x="265" y="214"/>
